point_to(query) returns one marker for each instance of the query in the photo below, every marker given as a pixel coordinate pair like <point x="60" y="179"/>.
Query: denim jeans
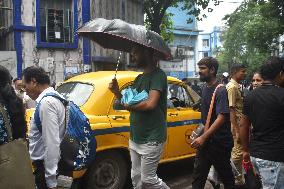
<point x="271" y="173"/>
<point x="145" y="159"/>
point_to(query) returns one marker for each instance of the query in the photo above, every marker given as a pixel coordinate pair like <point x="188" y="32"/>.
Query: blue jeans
<point x="145" y="159"/>
<point x="271" y="173"/>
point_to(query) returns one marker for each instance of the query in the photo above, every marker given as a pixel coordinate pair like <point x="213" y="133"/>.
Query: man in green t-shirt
<point x="148" y="130"/>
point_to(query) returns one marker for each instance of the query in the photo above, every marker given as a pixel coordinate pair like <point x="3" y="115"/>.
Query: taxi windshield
<point x="77" y="92"/>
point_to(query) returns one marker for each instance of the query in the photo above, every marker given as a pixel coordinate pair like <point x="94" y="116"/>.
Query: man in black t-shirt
<point x="214" y="146"/>
<point x="264" y="110"/>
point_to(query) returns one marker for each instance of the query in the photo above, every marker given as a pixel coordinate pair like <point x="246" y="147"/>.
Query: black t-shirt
<point x="265" y="108"/>
<point x="223" y="136"/>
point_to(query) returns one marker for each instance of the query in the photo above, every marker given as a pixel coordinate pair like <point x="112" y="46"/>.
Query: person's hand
<point x="198" y="142"/>
<point x="126" y="106"/>
<point x="246" y="156"/>
<point x="113" y="86"/>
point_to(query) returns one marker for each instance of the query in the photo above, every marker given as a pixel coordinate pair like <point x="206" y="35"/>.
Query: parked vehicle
<point x="112" y="163"/>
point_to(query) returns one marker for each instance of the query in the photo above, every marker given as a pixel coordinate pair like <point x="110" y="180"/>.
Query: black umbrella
<point x="120" y="35"/>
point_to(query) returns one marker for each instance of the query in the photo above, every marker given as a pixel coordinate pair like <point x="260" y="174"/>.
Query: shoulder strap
<point x="36" y="114"/>
<point x="64" y="101"/>
<point x="209" y="115"/>
<point x="7" y="123"/>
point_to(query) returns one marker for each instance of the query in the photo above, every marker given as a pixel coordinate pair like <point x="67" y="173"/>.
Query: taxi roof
<point x="94" y="77"/>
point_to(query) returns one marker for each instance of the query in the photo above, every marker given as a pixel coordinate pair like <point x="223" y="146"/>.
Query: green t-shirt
<point x="150" y="126"/>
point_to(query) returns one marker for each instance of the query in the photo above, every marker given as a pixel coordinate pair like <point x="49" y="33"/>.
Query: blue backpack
<point x="78" y="147"/>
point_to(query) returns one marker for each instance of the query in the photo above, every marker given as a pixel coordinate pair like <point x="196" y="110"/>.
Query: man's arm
<point x="232" y="94"/>
<point x="50" y="136"/>
<point x="149" y="104"/>
<point x="244" y="136"/>
<point x="221" y="118"/>
<point x="234" y="123"/>
<point x="158" y="85"/>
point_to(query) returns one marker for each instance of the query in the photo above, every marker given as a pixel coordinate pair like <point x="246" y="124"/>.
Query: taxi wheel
<point x="108" y="172"/>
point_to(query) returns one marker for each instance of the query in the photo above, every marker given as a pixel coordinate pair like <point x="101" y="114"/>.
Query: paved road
<point x="178" y="175"/>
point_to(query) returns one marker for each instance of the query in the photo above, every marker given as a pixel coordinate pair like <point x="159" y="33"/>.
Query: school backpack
<point x="78" y="147"/>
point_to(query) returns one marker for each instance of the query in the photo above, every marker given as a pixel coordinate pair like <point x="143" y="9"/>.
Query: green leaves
<point x="158" y="20"/>
<point x="251" y="32"/>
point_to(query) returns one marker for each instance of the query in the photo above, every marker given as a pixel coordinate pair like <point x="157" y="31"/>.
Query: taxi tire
<point x="105" y="163"/>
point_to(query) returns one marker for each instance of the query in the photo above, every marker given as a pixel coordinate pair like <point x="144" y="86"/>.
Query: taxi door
<point x="119" y="119"/>
<point x="181" y="121"/>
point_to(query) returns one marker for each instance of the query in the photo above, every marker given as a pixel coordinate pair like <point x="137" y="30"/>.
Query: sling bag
<point x="15" y="163"/>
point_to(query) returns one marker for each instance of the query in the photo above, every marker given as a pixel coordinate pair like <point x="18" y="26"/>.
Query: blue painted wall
<point x="180" y="18"/>
<point x="185" y="34"/>
<point x="86" y="15"/>
<point x="17" y="22"/>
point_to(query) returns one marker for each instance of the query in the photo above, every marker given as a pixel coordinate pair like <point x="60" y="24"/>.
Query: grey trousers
<point x="145" y="159"/>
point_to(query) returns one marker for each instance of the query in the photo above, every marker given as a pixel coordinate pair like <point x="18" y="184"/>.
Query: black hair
<point x="13" y="104"/>
<point x="237" y="67"/>
<point x="16" y="79"/>
<point x="184" y="79"/>
<point x="271" y="68"/>
<point x="36" y="73"/>
<point x="210" y="62"/>
<point x="257" y="72"/>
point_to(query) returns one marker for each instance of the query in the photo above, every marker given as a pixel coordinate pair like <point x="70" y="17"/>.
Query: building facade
<point x="184" y="46"/>
<point x="209" y="43"/>
<point x="43" y="33"/>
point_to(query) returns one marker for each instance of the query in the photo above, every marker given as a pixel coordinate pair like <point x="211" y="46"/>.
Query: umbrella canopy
<point x="120" y="35"/>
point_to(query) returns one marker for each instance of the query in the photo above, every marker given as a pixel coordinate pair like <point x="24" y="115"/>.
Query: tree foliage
<point x="273" y="9"/>
<point x="250" y="35"/>
<point x="166" y="27"/>
<point x="157" y="17"/>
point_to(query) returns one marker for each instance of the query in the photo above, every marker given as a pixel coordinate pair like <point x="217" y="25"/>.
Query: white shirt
<point x="46" y="145"/>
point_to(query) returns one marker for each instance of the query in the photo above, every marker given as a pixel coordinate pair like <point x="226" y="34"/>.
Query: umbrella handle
<point x="117" y="64"/>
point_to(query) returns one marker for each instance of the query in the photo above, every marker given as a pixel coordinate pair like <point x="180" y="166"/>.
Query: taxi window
<point x="178" y="97"/>
<point x="77" y="92"/>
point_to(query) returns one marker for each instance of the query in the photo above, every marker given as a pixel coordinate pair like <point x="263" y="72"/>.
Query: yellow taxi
<point x="112" y="163"/>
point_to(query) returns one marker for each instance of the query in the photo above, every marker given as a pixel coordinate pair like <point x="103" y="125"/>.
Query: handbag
<point x="15" y="164"/>
<point x="252" y="179"/>
<point x="201" y="128"/>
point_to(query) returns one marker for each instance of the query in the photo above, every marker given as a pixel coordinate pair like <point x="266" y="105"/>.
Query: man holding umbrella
<point x="148" y="129"/>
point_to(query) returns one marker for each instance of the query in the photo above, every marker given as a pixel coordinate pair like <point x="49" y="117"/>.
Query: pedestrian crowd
<point x="244" y="129"/>
<point x="237" y="129"/>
